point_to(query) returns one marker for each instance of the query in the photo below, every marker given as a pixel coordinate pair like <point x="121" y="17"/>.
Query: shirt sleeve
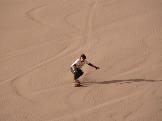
<point x="86" y="62"/>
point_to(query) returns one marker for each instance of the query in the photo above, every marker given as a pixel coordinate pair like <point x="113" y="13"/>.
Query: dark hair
<point x="83" y="56"/>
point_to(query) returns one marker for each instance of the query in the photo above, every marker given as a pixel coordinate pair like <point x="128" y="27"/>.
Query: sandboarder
<point x="76" y="68"/>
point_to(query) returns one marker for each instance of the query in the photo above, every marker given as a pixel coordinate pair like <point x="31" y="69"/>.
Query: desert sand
<point x="40" y="39"/>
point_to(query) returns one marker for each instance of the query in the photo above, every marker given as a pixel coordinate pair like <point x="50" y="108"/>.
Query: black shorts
<point x="77" y="73"/>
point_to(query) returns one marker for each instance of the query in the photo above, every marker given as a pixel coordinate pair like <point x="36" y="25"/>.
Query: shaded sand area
<point x="40" y="39"/>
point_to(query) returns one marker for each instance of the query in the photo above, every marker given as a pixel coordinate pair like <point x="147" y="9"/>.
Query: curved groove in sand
<point x="13" y="80"/>
<point x="37" y="66"/>
<point x="32" y="16"/>
<point x="63" y="51"/>
<point x="88" y="25"/>
<point x="69" y="23"/>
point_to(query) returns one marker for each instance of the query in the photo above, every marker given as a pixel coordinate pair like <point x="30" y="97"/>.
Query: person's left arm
<point x="90" y="64"/>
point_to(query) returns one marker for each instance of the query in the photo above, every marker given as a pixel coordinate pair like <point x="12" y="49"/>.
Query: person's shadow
<point x="118" y="81"/>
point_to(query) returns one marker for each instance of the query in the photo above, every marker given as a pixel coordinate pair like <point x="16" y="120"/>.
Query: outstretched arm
<point x="90" y="64"/>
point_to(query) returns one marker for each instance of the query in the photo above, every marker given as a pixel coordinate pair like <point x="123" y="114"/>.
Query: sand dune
<point x="40" y="39"/>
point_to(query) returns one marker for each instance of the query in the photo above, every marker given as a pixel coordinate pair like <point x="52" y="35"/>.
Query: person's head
<point x="83" y="57"/>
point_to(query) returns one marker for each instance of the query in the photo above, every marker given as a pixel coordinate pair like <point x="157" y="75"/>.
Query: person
<point x="76" y="68"/>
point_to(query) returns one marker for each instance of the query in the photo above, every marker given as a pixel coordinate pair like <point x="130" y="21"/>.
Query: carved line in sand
<point x="60" y="54"/>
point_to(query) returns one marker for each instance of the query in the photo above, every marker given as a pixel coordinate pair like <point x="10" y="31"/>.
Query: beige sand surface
<point x="40" y="39"/>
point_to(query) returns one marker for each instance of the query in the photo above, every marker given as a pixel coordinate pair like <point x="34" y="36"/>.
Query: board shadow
<point x="118" y="81"/>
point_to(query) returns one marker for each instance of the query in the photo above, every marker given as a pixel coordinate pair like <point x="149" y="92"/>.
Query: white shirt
<point x="79" y="63"/>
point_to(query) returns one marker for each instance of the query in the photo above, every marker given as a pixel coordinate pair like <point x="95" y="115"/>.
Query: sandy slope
<point x="41" y="38"/>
